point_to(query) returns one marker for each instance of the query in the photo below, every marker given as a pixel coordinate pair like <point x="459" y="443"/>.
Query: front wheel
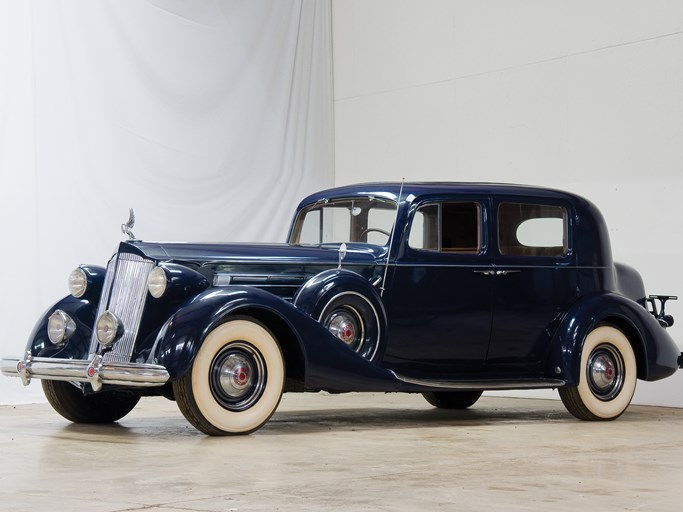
<point x="452" y="399"/>
<point x="70" y="402"/>
<point x="607" y="378"/>
<point x="236" y="380"/>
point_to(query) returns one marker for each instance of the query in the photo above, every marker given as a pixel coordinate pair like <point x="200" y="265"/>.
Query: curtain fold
<point x="211" y="119"/>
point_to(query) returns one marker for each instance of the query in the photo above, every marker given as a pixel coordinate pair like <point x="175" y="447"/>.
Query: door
<point x="439" y="299"/>
<point x="534" y="281"/>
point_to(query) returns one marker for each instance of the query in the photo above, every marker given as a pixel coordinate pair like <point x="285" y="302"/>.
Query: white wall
<point x="211" y="119"/>
<point x="582" y="95"/>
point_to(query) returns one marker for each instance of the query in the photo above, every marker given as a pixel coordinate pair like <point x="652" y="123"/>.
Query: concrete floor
<point x="346" y="452"/>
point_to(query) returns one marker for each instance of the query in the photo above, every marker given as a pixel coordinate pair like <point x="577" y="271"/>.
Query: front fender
<point x="656" y="352"/>
<point x="181" y="335"/>
<point x="313" y="292"/>
<point x="319" y="291"/>
<point x="329" y="364"/>
<point x="83" y="312"/>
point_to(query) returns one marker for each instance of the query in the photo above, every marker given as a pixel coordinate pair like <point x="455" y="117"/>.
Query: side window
<point x="424" y="232"/>
<point x="447" y="227"/>
<point x="532" y="230"/>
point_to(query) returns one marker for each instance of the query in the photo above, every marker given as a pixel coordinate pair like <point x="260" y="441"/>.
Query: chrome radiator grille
<point x="124" y="293"/>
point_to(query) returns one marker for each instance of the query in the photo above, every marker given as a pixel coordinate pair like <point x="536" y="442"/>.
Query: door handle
<point x="505" y="272"/>
<point x="496" y="272"/>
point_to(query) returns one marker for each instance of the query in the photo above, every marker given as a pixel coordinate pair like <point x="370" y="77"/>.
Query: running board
<point x="489" y="385"/>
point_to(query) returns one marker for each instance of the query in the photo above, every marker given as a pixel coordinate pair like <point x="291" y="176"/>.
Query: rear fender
<point x="655" y="351"/>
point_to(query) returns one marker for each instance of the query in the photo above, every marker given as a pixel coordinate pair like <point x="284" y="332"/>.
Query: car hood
<point x="202" y="253"/>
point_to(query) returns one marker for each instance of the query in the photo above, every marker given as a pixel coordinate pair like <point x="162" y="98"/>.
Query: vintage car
<point x="444" y="289"/>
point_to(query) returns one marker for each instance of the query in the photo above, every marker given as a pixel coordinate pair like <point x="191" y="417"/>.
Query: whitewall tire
<point x="236" y="380"/>
<point x="607" y="377"/>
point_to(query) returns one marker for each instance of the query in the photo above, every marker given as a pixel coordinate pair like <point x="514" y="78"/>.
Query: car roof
<point x="590" y="235"/>
<point x="390" y="190"/>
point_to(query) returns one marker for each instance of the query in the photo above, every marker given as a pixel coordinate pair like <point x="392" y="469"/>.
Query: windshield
<point x="366" y="220"/>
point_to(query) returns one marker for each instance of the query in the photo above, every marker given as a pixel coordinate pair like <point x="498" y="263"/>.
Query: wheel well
<point x="634" y="339"/>
<point x="291" y="350"/>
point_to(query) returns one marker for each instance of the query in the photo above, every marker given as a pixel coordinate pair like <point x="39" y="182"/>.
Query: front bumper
<point x="96" y="372"/>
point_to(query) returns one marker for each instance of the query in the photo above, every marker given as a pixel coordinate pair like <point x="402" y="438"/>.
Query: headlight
<point x="60" y="327"/>
<point x="157" y="282"/>
<point x="78" y="282"/>
<point x="108" y="328"/>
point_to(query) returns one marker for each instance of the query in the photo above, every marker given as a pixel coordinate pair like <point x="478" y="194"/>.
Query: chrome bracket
<point x="93" y="372"/>
<point x="23" y="368"/>
<point x="659" y="313"/>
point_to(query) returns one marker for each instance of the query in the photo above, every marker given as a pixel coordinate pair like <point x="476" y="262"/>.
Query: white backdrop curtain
<point x="212" y="119"/>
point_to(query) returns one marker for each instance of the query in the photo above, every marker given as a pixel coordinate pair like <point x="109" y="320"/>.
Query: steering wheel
<point x="378" y="230"/>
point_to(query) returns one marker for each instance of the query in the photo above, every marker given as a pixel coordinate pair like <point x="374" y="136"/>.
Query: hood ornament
<point x="128" y="226"/>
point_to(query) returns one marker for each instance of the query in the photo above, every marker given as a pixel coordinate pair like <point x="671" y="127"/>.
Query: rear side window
<point x="532" y="230"/>
<point x="447" y="227"/>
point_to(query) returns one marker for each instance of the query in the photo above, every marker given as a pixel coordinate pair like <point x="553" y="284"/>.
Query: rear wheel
<point x="236" y="380"/>
<point x="452" y="399"/>
<point x="607" y="378"/>
<point x="69" y="401"/>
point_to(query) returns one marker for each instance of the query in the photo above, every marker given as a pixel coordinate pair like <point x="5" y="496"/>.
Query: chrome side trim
<point x="260" y="280"/>
<point x="93" y="371"/>
<point x="490" y="385"/>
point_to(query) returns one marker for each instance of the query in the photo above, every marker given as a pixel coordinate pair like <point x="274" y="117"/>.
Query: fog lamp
<point x="60" y="327"/>
<point x="108" y="328"/>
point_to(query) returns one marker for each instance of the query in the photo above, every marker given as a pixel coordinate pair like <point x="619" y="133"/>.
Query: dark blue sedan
<point x="444" y="289"/>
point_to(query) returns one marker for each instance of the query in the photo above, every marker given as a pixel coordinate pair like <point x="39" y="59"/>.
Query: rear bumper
<point x="95" y="371"/>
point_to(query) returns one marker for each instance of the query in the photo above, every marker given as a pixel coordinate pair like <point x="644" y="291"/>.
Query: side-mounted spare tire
<point x="349" y="307"/>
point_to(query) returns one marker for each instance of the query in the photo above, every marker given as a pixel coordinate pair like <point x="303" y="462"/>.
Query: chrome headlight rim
<point x="78" y="282"/>
<point x="158" y="282"/>
<point x="108" y="328"/>
<point x="60" y="327"/>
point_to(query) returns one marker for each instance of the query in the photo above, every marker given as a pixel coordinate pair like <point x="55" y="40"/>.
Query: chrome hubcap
<point x="238" y="376"/>
<point x="605" y="372"/>
<point x="235" y="374"/>
<point x="346" y="324"/>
